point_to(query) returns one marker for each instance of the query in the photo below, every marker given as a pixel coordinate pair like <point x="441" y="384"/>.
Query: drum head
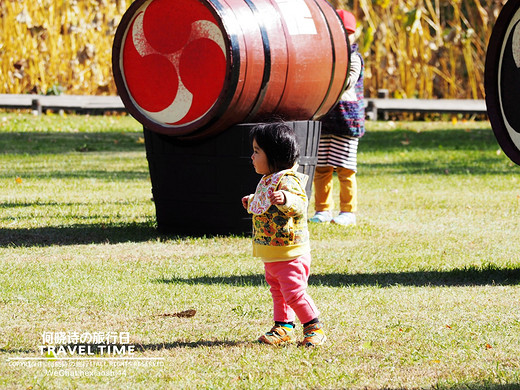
<point x="502" y="80"/>
<point x="171" y="63"/>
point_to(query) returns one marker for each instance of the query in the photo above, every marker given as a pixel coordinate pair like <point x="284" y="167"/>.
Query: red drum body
<point x="192" y="68"/>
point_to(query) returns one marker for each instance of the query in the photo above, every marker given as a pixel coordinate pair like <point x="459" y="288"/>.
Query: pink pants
<point x="288" y="281"/>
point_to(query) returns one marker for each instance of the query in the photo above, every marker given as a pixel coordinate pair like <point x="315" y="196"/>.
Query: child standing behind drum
<point x="340" y="132"/>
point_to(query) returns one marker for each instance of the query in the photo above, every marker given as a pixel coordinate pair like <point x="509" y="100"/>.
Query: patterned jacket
<point x="347" y="117"/>
<point x="280" y="231"/>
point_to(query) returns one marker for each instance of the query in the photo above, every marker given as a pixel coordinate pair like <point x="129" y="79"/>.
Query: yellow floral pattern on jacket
<point x="285" y="225"/>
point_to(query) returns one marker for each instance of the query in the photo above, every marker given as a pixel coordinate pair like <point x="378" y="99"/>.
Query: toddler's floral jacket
<point x="280" y="231"/>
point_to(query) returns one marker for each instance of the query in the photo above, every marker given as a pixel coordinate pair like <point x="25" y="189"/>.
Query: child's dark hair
<point x="278" y="141"/>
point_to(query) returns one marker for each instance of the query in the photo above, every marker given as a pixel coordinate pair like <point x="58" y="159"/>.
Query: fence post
<point x="36" y="107"/>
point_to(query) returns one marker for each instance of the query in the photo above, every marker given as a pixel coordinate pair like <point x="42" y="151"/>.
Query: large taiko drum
<point x="192" y="68"/>
<point x="502" y="79"/>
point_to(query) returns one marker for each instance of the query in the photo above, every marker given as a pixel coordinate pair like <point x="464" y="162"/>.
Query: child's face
<point x="260" y="160"/>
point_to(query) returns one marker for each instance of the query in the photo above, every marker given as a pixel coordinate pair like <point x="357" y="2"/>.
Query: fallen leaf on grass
<point x="19" y="180"/>
<point x="181" y="314"/>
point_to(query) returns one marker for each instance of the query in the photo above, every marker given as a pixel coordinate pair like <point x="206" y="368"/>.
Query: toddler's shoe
<point x="313" y="335"/>
<point x="345" y="219"/>
<point x="278" y="335"/>
<point x="321" y="217"/>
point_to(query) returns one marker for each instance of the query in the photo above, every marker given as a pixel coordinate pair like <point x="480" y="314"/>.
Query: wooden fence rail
<point x="76" y="103"/>
<point x="376" y="108"/>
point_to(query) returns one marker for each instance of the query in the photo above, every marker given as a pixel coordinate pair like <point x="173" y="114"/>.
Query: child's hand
<point x="245" y="200"/>
<point x="277" y="197"/>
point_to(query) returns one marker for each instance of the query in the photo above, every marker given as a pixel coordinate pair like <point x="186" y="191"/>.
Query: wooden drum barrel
<point x="193" y="68"/>
<point x="502" y="79"/>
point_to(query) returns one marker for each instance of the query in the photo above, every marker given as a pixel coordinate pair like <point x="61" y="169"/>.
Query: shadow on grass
<point x="189" y="344"/>
<point x="398" y="140"/>
<point x="77" y="235"/>
<point x="63" y="142"/>
<point x="117" y="350"/>
<point x="466" y="165"/>
<point x="436" y="152"/>
<point x="477" y="386"/>
<point x="79" y="174"/>
<point x="122" y="350"/>
<point x="469" y="276"/>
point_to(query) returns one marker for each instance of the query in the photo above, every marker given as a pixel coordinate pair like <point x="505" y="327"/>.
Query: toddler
<point x="280" y="235"/>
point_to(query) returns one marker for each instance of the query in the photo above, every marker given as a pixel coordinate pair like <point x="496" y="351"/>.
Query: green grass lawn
<point x="423" y="293"/>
